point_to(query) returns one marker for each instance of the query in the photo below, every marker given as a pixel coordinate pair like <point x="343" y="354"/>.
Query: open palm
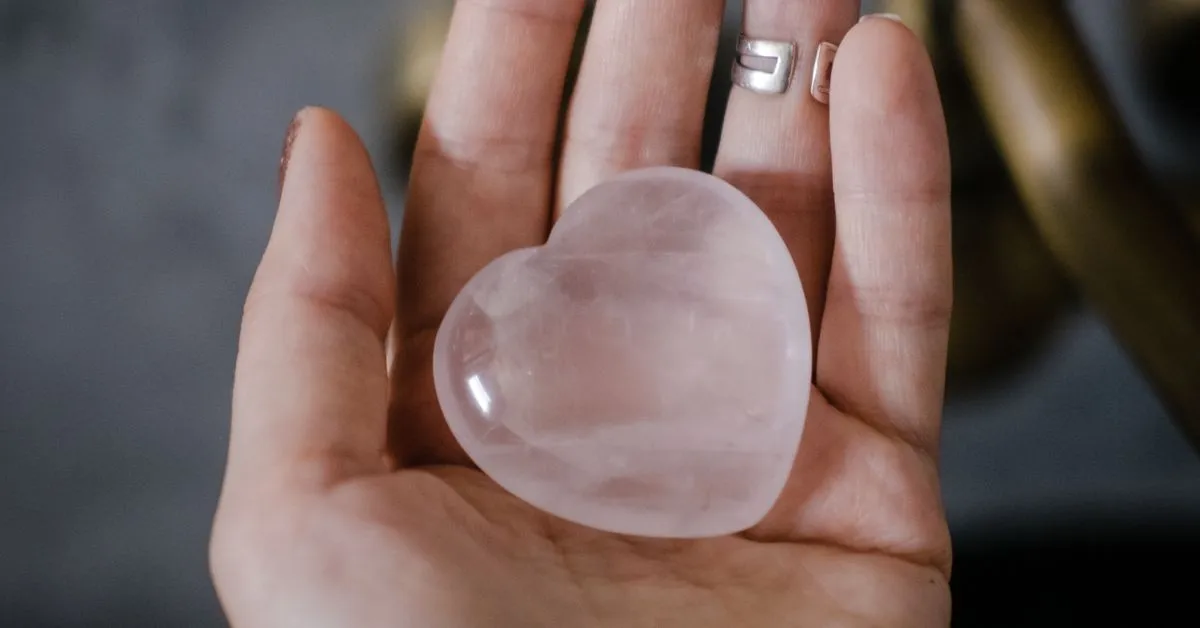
<point x="346" y="500"/>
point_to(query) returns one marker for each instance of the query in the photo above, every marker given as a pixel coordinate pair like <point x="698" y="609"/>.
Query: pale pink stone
<point x="646" y="371"/>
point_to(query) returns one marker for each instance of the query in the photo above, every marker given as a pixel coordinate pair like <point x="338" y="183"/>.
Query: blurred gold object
<point x="1122" y="240"/>
<point x="1009" y="291"/>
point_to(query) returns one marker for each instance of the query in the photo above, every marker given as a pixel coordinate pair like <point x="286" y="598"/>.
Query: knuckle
<point x="627" y="145"/>
<point x="916" y="308"/>
<point x="470" y="153"/>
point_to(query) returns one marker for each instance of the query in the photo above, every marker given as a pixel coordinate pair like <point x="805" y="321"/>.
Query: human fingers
<point x="481" y="183"/>
<point x="775" y="148"/>
<point x="866" y="474"/>
<point x="642" y="90"/>
<point x="886" y="324"/>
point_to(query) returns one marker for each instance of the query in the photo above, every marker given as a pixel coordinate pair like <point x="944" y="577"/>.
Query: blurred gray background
<point x="139" y="143"/>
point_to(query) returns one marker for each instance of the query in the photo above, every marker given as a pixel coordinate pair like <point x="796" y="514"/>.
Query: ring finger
<point x="775" y="148"/>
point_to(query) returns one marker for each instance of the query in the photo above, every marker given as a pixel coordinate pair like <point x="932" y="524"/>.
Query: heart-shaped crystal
<point x="646" y="371"/>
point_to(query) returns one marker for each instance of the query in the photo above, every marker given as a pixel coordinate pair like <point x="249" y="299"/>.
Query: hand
<point x="348" y="503"/>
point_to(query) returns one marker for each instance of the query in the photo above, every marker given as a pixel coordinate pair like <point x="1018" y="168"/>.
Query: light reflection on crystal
<point x="483" y="400"/>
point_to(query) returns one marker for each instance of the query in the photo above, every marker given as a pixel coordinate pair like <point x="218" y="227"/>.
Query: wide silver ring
<point x="785" y="57"/>
<point x="775" y="81"/>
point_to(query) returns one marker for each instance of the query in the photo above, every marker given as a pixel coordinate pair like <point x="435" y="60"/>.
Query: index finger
<point x="481" y="184"/>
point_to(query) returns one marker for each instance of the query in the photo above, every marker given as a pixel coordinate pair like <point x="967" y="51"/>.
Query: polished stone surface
<point x="644" y="372"/>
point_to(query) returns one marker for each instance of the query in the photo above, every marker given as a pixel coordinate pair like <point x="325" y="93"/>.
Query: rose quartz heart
<point x="644" y="372"/>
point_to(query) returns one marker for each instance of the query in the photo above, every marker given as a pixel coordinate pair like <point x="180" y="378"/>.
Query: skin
<point x="346" y="501"/>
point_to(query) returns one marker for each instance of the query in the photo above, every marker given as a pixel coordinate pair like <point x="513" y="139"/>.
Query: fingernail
<point x="288" y="141"/>
<point x="886" y="16"/>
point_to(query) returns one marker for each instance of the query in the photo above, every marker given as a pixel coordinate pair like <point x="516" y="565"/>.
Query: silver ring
<point x="784" y="55"/>
<point x="776" y="81"/>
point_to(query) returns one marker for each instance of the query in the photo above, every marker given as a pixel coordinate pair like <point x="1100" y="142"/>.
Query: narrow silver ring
<point x="785" y="56"/>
